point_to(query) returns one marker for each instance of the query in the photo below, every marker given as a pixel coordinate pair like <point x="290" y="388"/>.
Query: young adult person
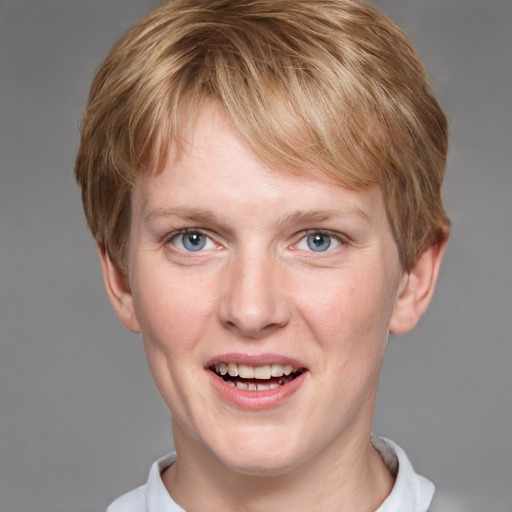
<point x="263" y="182"/>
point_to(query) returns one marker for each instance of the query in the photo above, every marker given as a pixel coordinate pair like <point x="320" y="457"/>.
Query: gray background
<point x="80" y="420"/>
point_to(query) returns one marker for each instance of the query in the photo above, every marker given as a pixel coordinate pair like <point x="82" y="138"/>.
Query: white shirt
<point x="411" y="492"/>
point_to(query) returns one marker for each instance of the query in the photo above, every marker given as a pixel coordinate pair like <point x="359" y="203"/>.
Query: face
<point x="264" y="302"/>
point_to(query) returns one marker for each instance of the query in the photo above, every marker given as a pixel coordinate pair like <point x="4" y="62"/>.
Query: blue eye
<point x="319" y="242"/>
<point x="192" y="241"/>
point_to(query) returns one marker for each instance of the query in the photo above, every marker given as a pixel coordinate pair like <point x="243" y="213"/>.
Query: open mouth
<point x="256" y="378"/>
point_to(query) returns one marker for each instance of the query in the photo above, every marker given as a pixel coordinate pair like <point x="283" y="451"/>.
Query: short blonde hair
<point x="325" y="87"/>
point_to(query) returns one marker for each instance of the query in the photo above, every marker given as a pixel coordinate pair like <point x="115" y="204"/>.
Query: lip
<point x="255" y="400"/>
<point x="254" y="360"/>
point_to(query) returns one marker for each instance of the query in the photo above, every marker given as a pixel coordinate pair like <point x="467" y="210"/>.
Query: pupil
<point x="194" y="241"/>
<point x="319" y="242"/>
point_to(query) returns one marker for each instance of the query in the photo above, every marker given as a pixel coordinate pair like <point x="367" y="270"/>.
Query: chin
<point x="261" y="465"/>
<point x="260" y="455"/>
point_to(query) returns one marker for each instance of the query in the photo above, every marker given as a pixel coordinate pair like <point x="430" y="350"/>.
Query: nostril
<point x="253" y="322"/>
<point x="252" y="331"/>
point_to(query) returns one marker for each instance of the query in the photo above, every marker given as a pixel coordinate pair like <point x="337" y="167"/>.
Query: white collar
<point x="411" y="491"/>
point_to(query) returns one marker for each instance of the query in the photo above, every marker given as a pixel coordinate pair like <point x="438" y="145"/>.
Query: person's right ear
<point x="119" y="292"/>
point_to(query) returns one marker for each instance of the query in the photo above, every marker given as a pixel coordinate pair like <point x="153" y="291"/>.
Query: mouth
<point x="256" y="378"/>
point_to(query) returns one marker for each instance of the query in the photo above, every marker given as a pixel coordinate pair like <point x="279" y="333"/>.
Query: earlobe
<point x="416" y="289"/>
<point x="119" y="292"/>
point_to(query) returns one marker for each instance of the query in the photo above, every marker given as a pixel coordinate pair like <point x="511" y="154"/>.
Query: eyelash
<point x="172" y="237"/>
<point x="302" y="237"/>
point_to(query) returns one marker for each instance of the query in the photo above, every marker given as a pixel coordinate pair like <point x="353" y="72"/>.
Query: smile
<point x="255" y="378"/>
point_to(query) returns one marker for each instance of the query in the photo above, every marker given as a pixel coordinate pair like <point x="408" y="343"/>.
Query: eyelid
<point x="171" y="237"/>
<point x="339" y="237"/>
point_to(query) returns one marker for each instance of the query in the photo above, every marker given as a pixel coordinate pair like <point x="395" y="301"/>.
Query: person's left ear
<point x="416" y="289"/>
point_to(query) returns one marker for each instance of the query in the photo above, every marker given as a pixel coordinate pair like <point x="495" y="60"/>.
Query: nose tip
<point x="254" y="302"/>
<point x="254" y="322"/>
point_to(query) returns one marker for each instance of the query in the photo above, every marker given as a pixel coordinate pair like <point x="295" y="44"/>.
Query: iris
<point x="193" y="241"/>
<point x="319" y="242"/>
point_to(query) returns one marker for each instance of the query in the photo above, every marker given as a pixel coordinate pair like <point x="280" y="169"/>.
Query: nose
<point x="254" y="302"/>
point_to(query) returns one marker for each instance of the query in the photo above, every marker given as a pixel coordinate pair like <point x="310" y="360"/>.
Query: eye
<point x="192" y="241"/>
<point x="319" y="241"/>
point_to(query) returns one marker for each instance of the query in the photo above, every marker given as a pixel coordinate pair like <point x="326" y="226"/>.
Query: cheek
<point x="173" y="317"/>
<point x="348" y="314"/>
<point x="173" y="311"/>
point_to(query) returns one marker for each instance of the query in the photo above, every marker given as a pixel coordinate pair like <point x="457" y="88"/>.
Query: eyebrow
<point x="314" y="216"/>
<point x="296" y="217"/>
<point x="185" y="213"/>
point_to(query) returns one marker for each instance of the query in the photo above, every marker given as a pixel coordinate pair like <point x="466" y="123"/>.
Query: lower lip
<point x="263" y="399"/>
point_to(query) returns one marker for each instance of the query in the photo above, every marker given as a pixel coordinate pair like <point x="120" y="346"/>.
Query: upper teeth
<point x="246" y="371"/>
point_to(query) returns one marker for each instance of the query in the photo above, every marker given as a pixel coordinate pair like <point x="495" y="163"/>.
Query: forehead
<point x="216" y="171"/>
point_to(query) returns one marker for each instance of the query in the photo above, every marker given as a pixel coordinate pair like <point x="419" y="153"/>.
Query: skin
<point x="256" y="288"/>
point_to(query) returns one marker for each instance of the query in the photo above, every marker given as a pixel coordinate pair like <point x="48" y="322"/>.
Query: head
<point x="263" y="182"/>
<point x="329" y="89"/>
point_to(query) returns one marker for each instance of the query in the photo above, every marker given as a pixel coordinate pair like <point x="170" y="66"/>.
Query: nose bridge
<point x="254" y="301"/>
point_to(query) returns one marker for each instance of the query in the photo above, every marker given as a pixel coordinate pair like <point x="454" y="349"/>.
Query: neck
<point x="345" y="476"/>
